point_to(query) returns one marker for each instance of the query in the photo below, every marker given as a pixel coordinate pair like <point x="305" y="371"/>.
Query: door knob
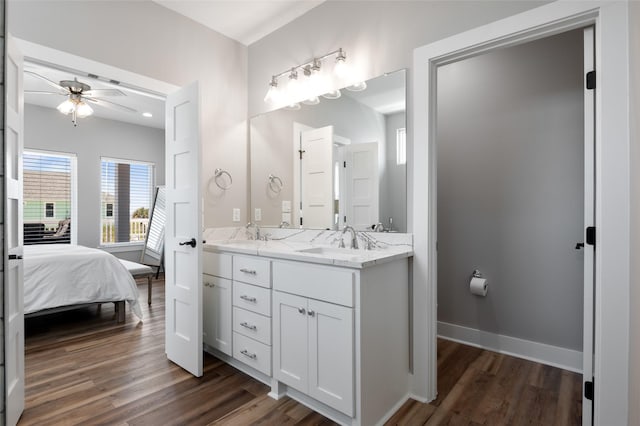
<point x="191" y="243"/>
<point x="579" y="246"/>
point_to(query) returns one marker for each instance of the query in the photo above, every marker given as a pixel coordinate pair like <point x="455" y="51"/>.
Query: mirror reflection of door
<point x="361" y="190"/>
<point x="316" y="178"/>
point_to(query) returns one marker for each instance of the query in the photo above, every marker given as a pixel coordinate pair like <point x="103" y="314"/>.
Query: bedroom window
<point x="127" y="188"/>
<point x="48" y="197"/>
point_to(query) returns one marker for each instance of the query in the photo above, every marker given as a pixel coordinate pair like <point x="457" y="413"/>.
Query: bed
<point x="62" y="276"/>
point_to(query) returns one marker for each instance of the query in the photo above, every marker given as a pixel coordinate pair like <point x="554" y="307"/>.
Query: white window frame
<point x="123" y="246"/>
<point x="74" y="184"/>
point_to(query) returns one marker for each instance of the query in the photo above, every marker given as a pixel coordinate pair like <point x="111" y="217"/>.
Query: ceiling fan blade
<point x="49" y="82"/>
<point x="104" y="92"/>
<point x="109" y="104"/>
<point x="40" y="92"/>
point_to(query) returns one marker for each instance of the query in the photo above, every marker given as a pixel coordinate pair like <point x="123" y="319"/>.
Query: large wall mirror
<point x="339" y="162"/>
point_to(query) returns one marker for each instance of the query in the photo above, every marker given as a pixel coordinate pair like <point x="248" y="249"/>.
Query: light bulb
<point x="314" y="100"/>
<point x="273" y="94"/>
<point x="293" y="87"/>
<point x="341" y="69"/>
<point x="83" y="110"/>
<point x="67" y="107"/>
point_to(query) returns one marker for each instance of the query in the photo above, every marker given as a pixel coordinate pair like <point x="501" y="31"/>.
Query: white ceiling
<point x="246" y="21"/>
<point x="133" y="99"/>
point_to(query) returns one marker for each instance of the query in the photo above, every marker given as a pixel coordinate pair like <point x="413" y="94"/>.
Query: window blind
<point x="47" y="198"/>
<point x="126" y="188"/>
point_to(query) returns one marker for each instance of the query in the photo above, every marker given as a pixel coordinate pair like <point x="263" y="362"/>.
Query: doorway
<point x="512" y="189"/>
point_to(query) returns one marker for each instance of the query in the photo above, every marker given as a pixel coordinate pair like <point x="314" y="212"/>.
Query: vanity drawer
<point x="333" y="285"/>
<point x="252" y="353"/>
<point x="253" y="325"/>
<point x="252" y="298"/>
<point x="217" y="264"/>
<point x="252" y="270"/>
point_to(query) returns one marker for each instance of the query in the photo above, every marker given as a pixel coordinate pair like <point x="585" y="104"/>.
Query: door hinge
<point x="591" y="80"/>
<point x="344" y="219"/>
<point x="345" y="165"/>
<point x="591" y="236"/>
<point x="589" y="389"/>
<point x="300" y="221"/>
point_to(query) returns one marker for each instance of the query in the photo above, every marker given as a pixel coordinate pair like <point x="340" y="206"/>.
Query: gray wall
<point x="148" y="39"/>
<point x="47" y="129"/>
<point x="510" y="190"/>
<point x="634" y="300"/>
<point x="393" y="202"/>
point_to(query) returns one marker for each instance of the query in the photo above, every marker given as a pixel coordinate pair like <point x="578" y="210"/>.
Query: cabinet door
<point x="290" y="351"/>
<point x="331" y="355"/>
<point x="217" y="321"/>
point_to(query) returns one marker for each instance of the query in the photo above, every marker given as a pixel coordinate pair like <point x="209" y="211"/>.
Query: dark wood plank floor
<point x="83" y="368"/>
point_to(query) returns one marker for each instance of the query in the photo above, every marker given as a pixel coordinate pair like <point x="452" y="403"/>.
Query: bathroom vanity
<point x="326" y="326"/>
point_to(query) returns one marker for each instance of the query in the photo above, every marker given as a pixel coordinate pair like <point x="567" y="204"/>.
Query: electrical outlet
<point x="236" y="215"/>
<point x="257" y="215"/>
<point x="286" y="206"/>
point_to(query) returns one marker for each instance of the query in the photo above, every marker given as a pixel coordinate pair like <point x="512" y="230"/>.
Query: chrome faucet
<point x="255" y="225"/>
<point x="354" y="237"/>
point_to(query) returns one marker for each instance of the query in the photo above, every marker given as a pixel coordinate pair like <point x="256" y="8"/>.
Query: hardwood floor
<point x="83" y="368"/>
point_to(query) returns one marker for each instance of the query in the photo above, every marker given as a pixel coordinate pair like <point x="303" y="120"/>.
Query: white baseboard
<point x="554" y="356"/>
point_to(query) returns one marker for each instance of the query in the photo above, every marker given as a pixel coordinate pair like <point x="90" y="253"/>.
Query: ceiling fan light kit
<point x="78" y="95"/>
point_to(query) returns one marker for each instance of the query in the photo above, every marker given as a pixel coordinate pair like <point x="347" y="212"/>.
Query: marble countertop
<point x="314" y="247"/>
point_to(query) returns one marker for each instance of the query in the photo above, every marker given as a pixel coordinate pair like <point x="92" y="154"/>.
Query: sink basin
<point x="335" y="252"/>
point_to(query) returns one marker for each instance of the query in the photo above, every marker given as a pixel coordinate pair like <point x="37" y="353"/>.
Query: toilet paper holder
<point x="476" y="274"/>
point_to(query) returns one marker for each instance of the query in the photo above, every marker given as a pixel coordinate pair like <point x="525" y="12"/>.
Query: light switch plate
<point x="236" y="215"/>
<point x="257" y="214"/>
<point x="286" y="206"/>
<point x="286" y="217"/>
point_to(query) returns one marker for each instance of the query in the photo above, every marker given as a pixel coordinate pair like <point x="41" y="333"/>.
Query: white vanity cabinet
<point x="335" y="338"/>
<point x="313" y="349"/>
<point x="216" y="295"/>
<point x="252" y="312"/>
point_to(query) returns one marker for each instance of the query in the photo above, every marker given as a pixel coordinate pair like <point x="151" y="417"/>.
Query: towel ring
<point x="217" y="178"/>
<point x="275" y="183"/>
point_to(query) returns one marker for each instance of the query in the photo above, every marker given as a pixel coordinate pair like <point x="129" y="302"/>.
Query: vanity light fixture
<point x="147" y="114"/>
<point x="314" y="83"/>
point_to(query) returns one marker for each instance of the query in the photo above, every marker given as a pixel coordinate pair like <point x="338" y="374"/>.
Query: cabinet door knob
<point x="311" y="313"/>
<point x="302" y="310"/>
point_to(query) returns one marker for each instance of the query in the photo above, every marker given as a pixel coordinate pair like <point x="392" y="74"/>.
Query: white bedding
<point x="61" y="274"/>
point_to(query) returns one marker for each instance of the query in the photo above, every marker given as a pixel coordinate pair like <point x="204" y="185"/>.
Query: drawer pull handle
<point x="248" y="354"/>
<point x="302" y="311"/>
<point x="248" y="271"/>
<point x="248" y="298"/>
<point x="311" y="313"/>
<point x="249" y="326"/>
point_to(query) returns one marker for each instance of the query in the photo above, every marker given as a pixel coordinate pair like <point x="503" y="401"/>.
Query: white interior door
<point x="362" y="186"/>
<point x="13" y="233"/>
<point x="183" y="251"/>
<point x="316" y="165"/>
<point x="589" y="221"/>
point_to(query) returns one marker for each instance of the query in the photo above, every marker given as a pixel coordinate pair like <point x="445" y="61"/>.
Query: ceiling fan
<point x="78" y="95"/>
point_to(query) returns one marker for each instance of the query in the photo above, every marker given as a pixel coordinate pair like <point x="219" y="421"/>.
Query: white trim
<point x="554" y="356"/>
<point x="122" y="247"/>
<point x="127" y="161"/>
<point x="54" y="58"/>
<point x="612" y="185"/>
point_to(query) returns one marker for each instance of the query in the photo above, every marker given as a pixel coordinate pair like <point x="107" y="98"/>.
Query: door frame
<point x="37" y="53"/>
<point x="612" y="185"/>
